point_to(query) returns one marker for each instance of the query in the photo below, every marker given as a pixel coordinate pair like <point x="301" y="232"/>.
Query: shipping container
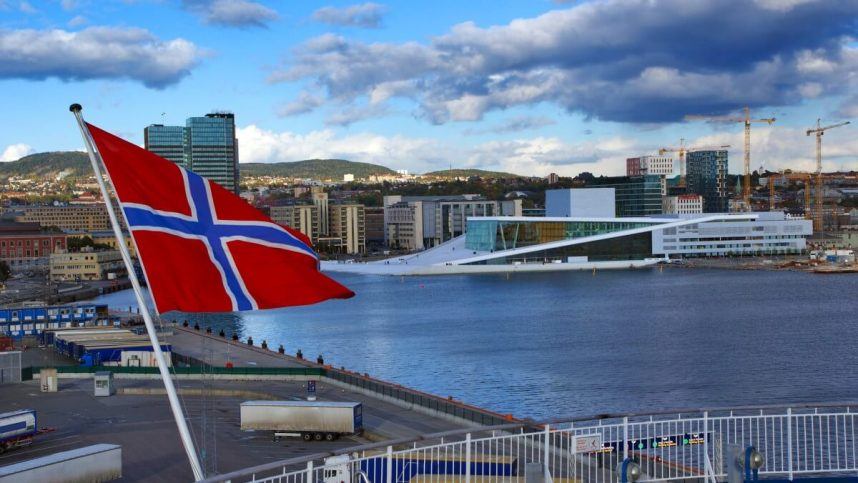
<point x="312" y="420"/>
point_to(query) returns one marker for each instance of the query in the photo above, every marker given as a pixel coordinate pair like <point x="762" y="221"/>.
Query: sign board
<point x="311" y="390"/>
<point x="586" y="443"/>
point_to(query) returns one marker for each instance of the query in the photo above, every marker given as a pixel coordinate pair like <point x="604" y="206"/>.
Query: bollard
<point x="264" y="344"/>
<point x="629" y="471"/>
<point x="281" y="349"/>
<point x="299" y="354"/>
<point x="250" y="341"/>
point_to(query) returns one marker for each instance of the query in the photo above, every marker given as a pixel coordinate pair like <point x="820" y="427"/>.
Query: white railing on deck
<point x="694" y="445"/>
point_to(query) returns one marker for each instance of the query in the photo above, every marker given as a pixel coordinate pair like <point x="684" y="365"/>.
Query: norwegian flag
<point x="202" y="248"/>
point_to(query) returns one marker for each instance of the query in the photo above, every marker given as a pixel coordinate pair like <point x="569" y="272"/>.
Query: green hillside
<point x="48" y="165"/>
<point x="322" y="169"/>
<point x="74" y="163"/>
<point x="467" y="173"/>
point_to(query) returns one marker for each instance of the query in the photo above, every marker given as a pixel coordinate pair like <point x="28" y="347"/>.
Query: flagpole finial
<point x="75" y="107"/>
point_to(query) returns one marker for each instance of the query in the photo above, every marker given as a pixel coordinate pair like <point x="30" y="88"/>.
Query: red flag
<point x="202" y="248"/>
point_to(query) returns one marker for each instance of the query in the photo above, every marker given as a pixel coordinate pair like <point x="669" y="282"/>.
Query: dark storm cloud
<point x="630" y="61"/>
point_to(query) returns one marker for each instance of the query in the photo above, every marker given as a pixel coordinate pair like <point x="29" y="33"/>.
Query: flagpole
<point x="179" y="416"/>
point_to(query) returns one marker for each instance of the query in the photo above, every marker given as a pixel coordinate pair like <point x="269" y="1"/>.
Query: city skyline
<point x="529" y="88"/>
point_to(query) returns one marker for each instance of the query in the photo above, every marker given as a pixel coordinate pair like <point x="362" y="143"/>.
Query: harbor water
<point x="558" y="345"/>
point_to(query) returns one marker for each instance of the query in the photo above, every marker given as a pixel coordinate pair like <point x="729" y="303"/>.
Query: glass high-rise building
<point x="212" y="149"/>
<point x="206" y="145"/>
<point x="706" y="175"/>
<point x="166" y="141"/>
<point x="634" y="195"/>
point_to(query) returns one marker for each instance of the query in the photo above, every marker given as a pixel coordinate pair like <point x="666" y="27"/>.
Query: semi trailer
<point x="17" y="428"/>
<point x="311" y="420"/>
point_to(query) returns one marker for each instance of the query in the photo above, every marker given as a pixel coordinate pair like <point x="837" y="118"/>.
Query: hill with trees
<point x="321" y="169"/>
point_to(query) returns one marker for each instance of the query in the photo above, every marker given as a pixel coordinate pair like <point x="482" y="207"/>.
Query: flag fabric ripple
<point x="204" y="249"/>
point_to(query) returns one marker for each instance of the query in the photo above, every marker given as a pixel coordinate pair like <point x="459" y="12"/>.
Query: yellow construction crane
<point x="746" y="120"/>
<point x="682" y="149"/>
<point x="819" y="130"/>
<point x="806" y="178"/>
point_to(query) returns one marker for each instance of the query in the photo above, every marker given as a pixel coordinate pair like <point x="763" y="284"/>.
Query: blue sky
<point x="531" y="87"/>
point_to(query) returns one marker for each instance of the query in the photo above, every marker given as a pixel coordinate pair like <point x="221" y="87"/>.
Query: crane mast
<point x="819" y="131"/>
<point x="747" y="121"/>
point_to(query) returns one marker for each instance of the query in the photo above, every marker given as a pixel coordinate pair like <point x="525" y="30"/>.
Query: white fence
<point x="798" y="441"/>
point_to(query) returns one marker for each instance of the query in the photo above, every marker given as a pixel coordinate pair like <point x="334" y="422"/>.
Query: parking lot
<point x="144" y="427"/>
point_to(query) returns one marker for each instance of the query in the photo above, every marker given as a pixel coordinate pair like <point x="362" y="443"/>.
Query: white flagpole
<point x="185" y="434"/>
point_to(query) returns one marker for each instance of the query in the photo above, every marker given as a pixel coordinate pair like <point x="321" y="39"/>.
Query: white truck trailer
<point x="311" y="420"/>
<point x="17" y="428"/>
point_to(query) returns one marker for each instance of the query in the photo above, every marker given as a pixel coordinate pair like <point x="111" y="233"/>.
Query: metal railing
<point x="194" y="370"/>
<point x="796" y="441"/>
<point x="431" y="402"/>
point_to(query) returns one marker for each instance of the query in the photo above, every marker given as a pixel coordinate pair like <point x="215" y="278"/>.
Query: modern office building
<point x="166" y="141"/>
<point x="635" y="195"/>
<point x="70" y="218"/>
<point x="304" y="218"/>
<point x="580" y="201"/>
<point x="320" y="200"/>
<point x="418" y="222"/>
<point x="348" y="224"/>
<point x="644" y="165"/>
<point x="374" y="216"/>
<point x="707" y="177"/>
<point x="26" y="246"/>
<point x="403" y="225"/>
<point x="208" y="147"/>
<point x="211" y="149"/>
<point x="682" y="204"/>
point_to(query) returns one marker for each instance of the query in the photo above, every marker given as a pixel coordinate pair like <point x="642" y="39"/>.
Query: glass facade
<point x="630" y="247"/>
<point x="205" y="145"/>
<point x="211" y="149"/>
<point x="707" y="177"/>
<point x="635" y="195"/>
<point x="490" y="235"/>
<point x="166" y="141"/>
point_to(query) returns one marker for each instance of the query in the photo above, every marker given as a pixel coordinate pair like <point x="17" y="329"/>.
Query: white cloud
<point x="14" y="152"/>
<point x="232" y="13"/>
<point x="366" y="15"/>
<point x="96" y="53"/>
<point x="77" y="21"/>
<point x="264" y="146"/>
<point x="305" y="103"/>
<point x="588" y="59"/>
<point x="25" y="7"/>
<point x="775" y="147"/>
